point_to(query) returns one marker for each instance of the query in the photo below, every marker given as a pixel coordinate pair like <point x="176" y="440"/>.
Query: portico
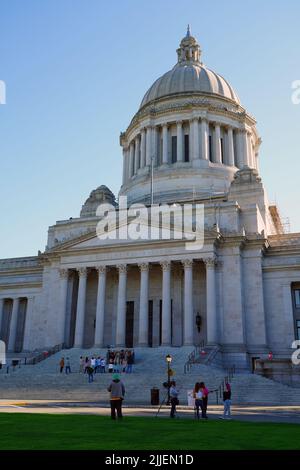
<point x="149" y="285"/>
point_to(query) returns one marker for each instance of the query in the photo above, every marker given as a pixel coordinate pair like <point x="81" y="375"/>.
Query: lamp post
<point x="169" y="360"/>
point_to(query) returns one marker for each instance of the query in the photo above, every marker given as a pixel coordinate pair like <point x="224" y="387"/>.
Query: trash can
<point x="155" y="396"/>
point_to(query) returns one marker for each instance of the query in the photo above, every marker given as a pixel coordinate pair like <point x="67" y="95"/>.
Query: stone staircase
<point x="44" y="382"/>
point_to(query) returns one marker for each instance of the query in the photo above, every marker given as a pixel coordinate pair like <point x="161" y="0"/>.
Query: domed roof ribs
<point x="189" y="75"/>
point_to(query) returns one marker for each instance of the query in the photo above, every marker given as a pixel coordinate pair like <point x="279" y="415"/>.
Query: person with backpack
<point x="117" y="393"/>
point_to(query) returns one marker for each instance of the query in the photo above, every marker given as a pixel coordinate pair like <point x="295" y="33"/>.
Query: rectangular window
<point x="186" y="148"/>
<point x="297" y="298"/>
<point x="174" y="149"/>
<point x="210" y="148"/>
<point x="298" y="329"/>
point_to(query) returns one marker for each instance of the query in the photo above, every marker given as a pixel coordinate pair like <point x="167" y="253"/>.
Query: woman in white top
<point x="198" y="400"/>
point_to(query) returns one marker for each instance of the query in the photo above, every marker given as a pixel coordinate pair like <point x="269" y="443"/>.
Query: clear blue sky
<point x="77" y="70"/>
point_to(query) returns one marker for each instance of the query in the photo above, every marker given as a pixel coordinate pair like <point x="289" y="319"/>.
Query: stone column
<point x="80" y="313"/>
<point x="250" y="151"/>
<point x="143" y="148"/>
<point x="165" y="143"/>
<point x="131" y="160"/>
<point x="144" y="302"/>
<point x="155" y="145"/>
<point x="196" y="139"/>
<point x="188" y="302"/>
<point x="244" y="148"/>
<point x="1" y="314"/>
<point x="27" y="344"/>
<point x="124" y="166"/>
<point x="166" y="304"/>
<point x="179" y="141"/>
<point x="13" y="325"/>
<point x="148" y="145"/>
<point x="121" y="307"/>
<point x="230" y="147"/>
<point x="211" y="304"/>
<point x="204" y="139"/>
<point x="100" y="308"/>
<point x="64" y="276"/>
<point x="217" y="144"/>
<point x="136" y="154"/>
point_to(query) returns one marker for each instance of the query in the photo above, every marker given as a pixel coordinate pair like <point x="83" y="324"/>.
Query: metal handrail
<point x="220" y="390"/>
<point x="192" y="356"/>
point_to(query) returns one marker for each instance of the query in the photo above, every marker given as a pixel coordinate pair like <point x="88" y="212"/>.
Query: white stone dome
<point x="189" y="75"/>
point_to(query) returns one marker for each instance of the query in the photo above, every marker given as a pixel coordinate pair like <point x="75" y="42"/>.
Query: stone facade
<point x="190" y="143"/>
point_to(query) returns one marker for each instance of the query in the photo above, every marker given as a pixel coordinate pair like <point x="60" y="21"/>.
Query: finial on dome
<point x="188" y="32"/>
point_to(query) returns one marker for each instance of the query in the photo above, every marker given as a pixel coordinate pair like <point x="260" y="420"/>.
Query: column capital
<point x="101" y="269"/>
<point x="179" y="123"/>
<point x="210" y="262"/>
<point x="64" y="273"/>
<point x="82" y="272"/>
<point x="144" y="267"/>
<point x="187" y="263"/>
<point x="194" y="119"/>
<point x="122" y="268"/>
<point x="166" y="265"/>
<point x="165" y="125"/>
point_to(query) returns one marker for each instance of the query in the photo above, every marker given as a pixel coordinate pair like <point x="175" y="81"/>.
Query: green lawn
<point x="56" y="432"/>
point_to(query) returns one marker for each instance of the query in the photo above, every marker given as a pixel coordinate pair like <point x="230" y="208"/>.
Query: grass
<point x="91" y="432"/>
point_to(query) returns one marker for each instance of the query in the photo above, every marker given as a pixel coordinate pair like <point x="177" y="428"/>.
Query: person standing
<point x="62" y="364"/>
<point x="102" y="365"/>
<point x="81" y="364"/>
<point x="173" y="398"/>
<point x="117" y="393"/>
<point x="198" y="395"/>
<point x="205" y="393"/>
<point x="68" y="366"/>
<point x="227" y="401"/>
<point x="90" y="372"/>
<point x="129" y="363"/>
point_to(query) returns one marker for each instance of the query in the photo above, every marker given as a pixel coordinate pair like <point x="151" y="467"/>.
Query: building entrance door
<point x="129" y="324"/>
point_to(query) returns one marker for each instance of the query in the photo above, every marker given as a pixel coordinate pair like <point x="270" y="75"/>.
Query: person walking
<point x="68" y="366"/>
<point x="62" y="364"/>
<point x="227" y="401"/>
<point x="117" y="393"/>
<point x="173" y="398"/>
<point x="198" y="395"/>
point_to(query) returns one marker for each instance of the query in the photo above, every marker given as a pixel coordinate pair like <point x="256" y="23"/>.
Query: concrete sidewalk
<point x="275" y="414"/>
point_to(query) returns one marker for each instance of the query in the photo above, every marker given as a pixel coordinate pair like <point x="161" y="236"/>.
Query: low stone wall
<point x="280" y="370"/>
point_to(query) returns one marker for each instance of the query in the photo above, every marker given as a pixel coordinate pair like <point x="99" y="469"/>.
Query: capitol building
<point x="190" y="142"/>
